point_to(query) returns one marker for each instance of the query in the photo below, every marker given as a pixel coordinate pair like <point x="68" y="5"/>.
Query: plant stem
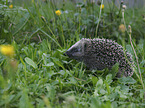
<point x="129" y="33"/>
<point x="99" y="19"/>
<point x="135" y="56"/>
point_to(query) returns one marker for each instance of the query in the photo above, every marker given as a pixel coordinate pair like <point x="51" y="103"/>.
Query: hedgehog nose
<point x="65" y="54"/>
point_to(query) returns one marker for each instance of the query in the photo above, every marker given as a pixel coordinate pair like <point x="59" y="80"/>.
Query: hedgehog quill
<point x="100" y="54"/>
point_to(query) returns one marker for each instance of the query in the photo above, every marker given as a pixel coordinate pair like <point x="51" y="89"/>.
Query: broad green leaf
<point x="114" y="70"/>
<point x="6" y="31"/>
<point x="72" y="80"/>
<point x="109" y="78"/>
<point x="31" y="62"/>
<point x="94" y="80"/>
<point x="127" y="80"/>
<point x="49" y="64"/>
<point x="99" y="83"/>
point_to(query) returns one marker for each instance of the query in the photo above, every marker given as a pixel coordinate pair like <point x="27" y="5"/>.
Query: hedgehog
<point x="98" y="54"/>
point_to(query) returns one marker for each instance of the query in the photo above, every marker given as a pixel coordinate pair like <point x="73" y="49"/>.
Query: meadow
<point x="34" y="73"/>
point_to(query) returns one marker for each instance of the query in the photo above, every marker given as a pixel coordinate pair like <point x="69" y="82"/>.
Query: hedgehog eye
<point x="74" y="50"/>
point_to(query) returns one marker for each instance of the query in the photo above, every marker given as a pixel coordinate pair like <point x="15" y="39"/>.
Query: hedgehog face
<point x="76" y="51"/>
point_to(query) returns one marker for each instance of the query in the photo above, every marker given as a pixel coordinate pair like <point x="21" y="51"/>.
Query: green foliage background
<point x="46" y="78"/>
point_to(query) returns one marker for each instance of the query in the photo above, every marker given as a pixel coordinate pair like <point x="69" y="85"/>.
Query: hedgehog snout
<point x="67" y="54"/>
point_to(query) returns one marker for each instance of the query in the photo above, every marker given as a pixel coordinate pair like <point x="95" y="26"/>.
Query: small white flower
<point x="124" y="6"/>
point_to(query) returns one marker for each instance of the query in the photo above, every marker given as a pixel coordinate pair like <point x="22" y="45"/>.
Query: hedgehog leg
<point x="120" y="72"/>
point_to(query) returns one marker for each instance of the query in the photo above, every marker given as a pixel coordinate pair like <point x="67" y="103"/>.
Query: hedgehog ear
<point x="85" y="45"/>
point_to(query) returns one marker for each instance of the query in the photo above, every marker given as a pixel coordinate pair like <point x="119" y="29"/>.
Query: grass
<point x="39" y="75"/>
